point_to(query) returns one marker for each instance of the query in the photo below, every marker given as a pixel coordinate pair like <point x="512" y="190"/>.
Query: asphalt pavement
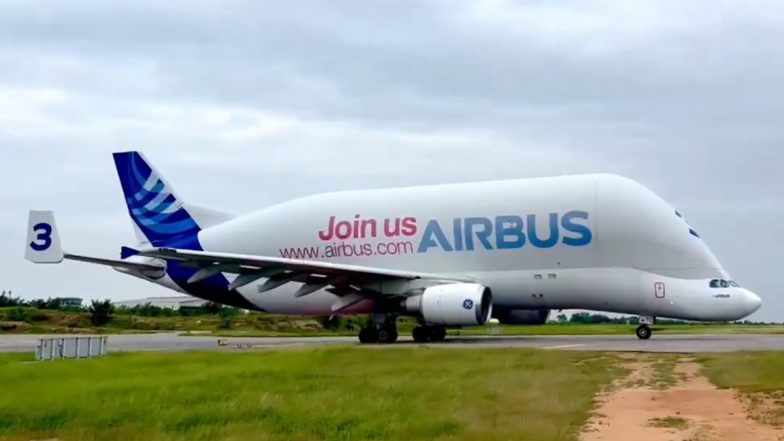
<point x="614" y="343"/>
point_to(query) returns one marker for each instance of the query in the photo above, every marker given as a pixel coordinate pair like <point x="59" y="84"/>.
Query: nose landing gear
<point x="644" y="330"/>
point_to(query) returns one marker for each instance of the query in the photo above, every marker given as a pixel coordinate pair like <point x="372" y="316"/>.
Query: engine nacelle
<point x="454" y="304"/>
<point x="522" y="316"/>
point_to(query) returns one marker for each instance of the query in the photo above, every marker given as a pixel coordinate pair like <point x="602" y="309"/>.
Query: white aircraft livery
<point x="450" y="255"/>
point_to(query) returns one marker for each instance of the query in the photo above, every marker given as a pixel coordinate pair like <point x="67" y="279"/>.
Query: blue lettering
<point x="549" y="242"/>
<point x="433" y="237"/>
<point x="43" y="238"/>
<point x="509" y="232"/>
<point x="483" y="235"/>
<point x="457" y="229"/>
<point x="583" y="232"/>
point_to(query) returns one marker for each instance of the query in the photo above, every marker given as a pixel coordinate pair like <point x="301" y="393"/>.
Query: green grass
<point x="664" y="372"/>
<point x="669" y="422"/>
<point x="758" y="377"/>
<point x="746" y="371"/>
<point x="325" y="394"/>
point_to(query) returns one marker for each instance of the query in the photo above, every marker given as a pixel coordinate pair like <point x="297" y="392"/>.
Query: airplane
<point x="454" y="255"/>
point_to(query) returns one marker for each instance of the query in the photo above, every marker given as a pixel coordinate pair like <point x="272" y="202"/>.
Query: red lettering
<point x="369" y="223"/>
<point x="329" y="232"/>
<point x="346" y="227"/>
<point x="409" y="226"/>
<point x="357" y="231"/>
<point x="388" y="231"/>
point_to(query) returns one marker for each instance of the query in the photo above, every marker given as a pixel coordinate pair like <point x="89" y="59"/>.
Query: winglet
<point x="43" y="240"/>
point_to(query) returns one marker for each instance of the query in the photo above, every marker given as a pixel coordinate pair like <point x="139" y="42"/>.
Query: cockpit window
<point x="678" y="214"/>
<point x="721" y="283"/>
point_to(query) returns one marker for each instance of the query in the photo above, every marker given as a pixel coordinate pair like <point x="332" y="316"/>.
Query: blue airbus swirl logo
<point x="468" y="303"/>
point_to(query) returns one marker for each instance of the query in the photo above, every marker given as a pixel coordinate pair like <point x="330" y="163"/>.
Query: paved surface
<point x="658" y="343"/>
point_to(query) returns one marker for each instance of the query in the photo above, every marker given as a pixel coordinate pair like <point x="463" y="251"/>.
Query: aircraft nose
<point x="751" y="301"/>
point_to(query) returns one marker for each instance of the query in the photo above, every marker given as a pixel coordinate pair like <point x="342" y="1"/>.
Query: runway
<point x="658" y="343"/>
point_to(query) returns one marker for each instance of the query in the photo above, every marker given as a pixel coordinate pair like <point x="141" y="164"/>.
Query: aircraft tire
<point x="386" y="336"/>
<point x="644" y="332"/>
<point x="368" y="335"/>
<point x="420" y="334"/>
<point x="437" y="333"/>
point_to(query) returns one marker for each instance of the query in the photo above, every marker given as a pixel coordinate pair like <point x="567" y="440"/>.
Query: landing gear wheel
<point x="424" y="334"/>
<point x="368" y="335"/>
<point x="420" y="334"/>
<point x="387" y="335"/>
<point x="644" y="332"/>
<point x="437" y="333"/>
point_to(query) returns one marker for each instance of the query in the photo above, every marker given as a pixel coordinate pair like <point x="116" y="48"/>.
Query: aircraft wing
<point x="351" y="281"/>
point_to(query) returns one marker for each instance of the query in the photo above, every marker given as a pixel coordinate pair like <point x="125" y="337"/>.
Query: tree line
<point x="101" y="311"/>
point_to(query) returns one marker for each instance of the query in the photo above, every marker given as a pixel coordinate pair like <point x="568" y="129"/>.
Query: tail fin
<point x="43" y="240"/>
<point x="158" y="214"/>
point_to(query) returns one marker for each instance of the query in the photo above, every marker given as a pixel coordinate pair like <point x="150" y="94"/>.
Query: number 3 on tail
<point x="43" y="239"/>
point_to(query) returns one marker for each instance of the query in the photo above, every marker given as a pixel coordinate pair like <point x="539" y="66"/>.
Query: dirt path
<point x="672" y="401"/>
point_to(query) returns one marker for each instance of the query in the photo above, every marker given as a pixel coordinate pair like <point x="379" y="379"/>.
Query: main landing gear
<point x="375" y="334"/>
<point x="644" y="330"/>
<point x="383" y="331"/>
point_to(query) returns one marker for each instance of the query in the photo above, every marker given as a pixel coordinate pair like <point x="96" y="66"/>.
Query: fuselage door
<point x="659" y="290"/>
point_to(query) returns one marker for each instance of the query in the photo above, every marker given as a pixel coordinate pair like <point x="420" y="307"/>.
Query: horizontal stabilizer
<point x="43" y="246"/>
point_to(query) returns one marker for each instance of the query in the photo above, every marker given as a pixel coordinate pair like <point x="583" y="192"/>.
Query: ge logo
<point x="43" y="238"/>
<point x="468" y="303"/>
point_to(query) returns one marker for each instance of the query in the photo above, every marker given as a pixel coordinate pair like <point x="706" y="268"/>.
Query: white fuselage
<point x="599" y="242"/>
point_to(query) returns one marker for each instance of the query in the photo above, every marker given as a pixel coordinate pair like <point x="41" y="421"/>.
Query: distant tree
<point x="588" y="318"/>
<point x="7" y="300"/>
<point x="562" y="318"/>
<point x="100" y="312"/>
<point x="226" y="314"/>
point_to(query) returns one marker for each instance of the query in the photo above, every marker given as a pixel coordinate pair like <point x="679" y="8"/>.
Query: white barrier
<point x="52" y="348"/>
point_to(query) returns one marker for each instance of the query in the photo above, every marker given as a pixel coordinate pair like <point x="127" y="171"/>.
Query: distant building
<point x="164" y="302"/>
<point x="70" y="302"/>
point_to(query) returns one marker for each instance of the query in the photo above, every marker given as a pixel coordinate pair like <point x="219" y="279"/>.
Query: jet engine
<point x="522" y="316"/>
<point x="454" y="304"/>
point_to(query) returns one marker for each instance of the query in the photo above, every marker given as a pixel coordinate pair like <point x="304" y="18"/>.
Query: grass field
<point x="759" y="378"/>
<point x="325" y="394"/>
<point x="746" y="371"/>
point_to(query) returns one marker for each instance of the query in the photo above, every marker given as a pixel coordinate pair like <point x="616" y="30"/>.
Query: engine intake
<point x="454" y="304"/>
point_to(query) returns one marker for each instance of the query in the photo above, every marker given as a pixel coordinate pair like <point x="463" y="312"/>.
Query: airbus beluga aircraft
<point x="449" y="255"/>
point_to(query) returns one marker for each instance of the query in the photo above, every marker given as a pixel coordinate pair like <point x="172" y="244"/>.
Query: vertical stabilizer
<point x="158" y="214"/>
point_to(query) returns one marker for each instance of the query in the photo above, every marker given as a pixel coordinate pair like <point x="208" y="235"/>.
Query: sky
<point x="243" y="104"/>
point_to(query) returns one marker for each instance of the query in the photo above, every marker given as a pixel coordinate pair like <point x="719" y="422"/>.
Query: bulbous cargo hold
<point x="639" y="229"/>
